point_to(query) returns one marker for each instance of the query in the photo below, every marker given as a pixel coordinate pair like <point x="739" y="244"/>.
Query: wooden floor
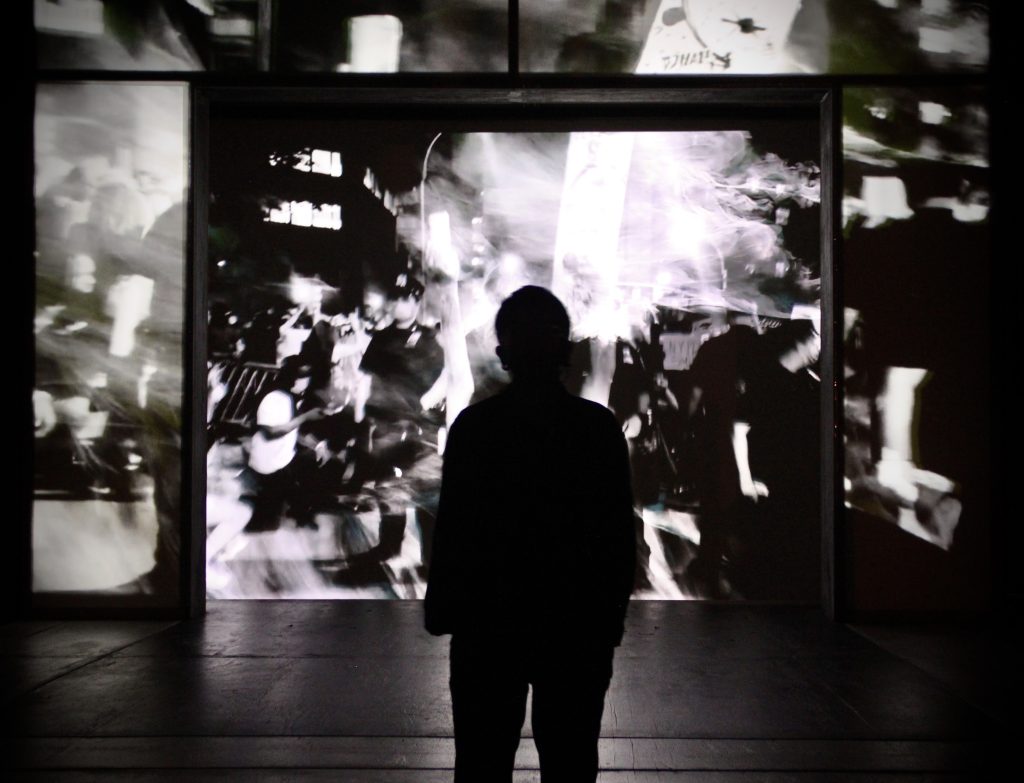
<point x="356" y="691"/>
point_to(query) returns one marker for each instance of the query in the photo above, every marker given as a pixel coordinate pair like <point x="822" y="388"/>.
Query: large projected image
<point x="915" y="215"/>
<point x="111" y="162"/>
<point x="355" y="269"/>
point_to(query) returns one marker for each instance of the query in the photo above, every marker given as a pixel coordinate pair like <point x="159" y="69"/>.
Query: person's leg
<point x="568" y="702"/>
<point x="489" y="692"/>
<point x="268" y="505"/>
<point x="302" y="489"/>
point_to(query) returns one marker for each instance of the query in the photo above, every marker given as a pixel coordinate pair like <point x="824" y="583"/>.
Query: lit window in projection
<point x="313" y="161"/>
<point x="386" y="197"/>
<point x="305" y="214"/>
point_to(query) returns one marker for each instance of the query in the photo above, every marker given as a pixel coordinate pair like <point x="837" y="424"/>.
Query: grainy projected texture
<point x="455" y="36"/>
<point x="915" y="215"/>
<point x="351" y="36"/>
<point x="355" y="272"/>
<point x="721" y="37"/>
<point x="111" y="162"/>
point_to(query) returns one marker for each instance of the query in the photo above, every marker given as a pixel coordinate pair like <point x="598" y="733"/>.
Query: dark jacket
<point x="535" y="525"/>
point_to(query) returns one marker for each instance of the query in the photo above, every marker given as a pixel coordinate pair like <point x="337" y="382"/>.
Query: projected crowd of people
<point x="344" y="417"/>
<point x="342" y="353"/>
<point x="109" y="319"/>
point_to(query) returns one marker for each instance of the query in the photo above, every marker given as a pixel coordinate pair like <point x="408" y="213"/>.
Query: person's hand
<point x="754" y="489"/>
<point x="432" y="401"/>
<point x="316" y="414"/>
<point x="323" y="454"/>
<point x="45" y="415"/>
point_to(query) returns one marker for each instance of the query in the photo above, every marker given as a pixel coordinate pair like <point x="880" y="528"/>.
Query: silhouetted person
<point x="405" y="362"/>
<point x="720" y="373"/>
<point x="533" y="557"/>
<point x="777" y="550"/>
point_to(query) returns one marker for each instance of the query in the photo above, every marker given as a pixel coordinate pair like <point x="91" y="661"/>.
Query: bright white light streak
<point x="589" y="221"/>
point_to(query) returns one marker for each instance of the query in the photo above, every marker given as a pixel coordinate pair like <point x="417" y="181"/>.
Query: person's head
<point x="533" y="334"/>
<point x="404" y="298"/>
<point x="372" y="310"/>
<point x="295" y="374"/>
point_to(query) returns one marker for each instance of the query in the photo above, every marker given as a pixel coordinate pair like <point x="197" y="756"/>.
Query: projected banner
<point x="111" y="162"/>
<point x="341" y="353"/>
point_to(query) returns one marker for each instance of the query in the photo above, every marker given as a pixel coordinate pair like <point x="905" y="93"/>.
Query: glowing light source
<point x="304" y="214"/>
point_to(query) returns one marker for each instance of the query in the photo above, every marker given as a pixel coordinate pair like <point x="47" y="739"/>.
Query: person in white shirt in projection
<point x="272" y="454"/>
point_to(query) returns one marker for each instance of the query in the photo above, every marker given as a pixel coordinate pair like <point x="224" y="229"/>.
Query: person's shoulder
<point x="275" y="404"/>
<point x="473" y="424"/>
<point x="594" y="413"/>
<point x="379" y="336"/>
<point x="378" y="346"/>
<point x="479" y="412"/>
<point x="276" y="397"/>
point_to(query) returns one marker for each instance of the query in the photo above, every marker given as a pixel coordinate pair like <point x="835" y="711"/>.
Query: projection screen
<point x="355" y="267"/>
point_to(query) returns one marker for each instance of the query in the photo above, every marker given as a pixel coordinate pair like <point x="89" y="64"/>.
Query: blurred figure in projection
<point x="882" y="409"/>
<point x="405" y="362"/>
<point x="274" y="448"/>
<point x="775" y="551"/>
<point x="719" y="378"/>
<point x="534" y="556"/>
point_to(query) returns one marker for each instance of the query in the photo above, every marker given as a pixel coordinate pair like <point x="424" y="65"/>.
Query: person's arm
<point x="670" y="397"/>
<point x="693" y="404"/>
<point x="45" y="414"/>
<point x="623" y="534"/>
<point x="748" y="485"/>
<point x="615" y="547"/>
<point x="280" y="430"/>
<point x="274" y="419"/>
<point x="439" y="605"/>
<point x="456" y="381"/>
<point x="435" y="395"/>
<point x="631" y="427"/>
<point x="369" y="365"/>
